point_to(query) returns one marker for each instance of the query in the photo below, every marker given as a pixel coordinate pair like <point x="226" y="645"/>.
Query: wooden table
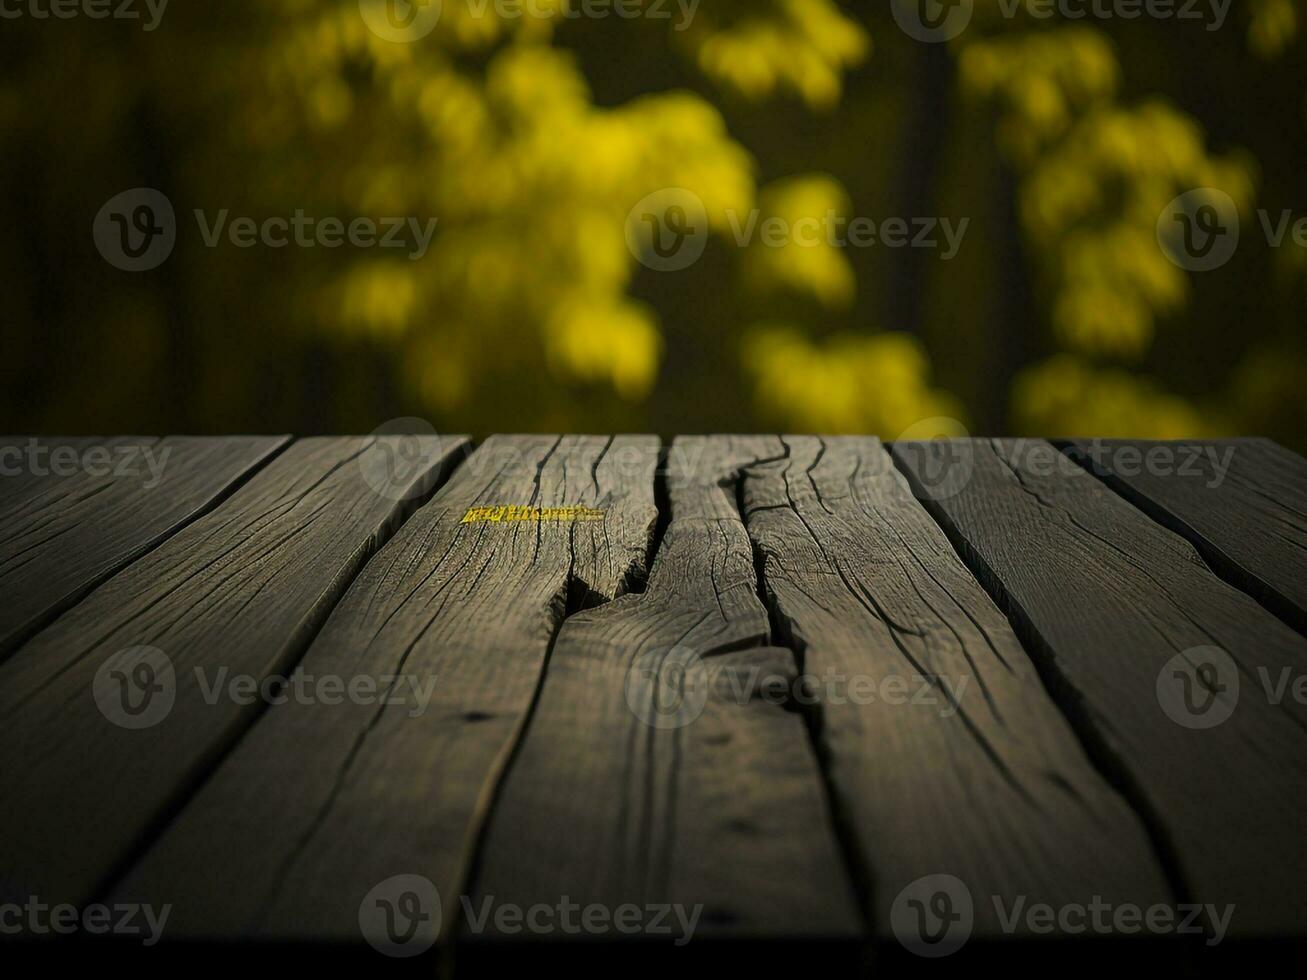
<point x="394" y="693"/>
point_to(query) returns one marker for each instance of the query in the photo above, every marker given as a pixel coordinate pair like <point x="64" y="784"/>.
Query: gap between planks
<point x="64" y="752"/>
<point x="574" y="604"/>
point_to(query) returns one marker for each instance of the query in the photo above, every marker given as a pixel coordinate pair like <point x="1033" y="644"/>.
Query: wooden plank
<point x="943" y="748"/>
<point x="1122" y="616"/>
<point x="75" y="511"/>
<point x="118" y="709"/>
<point x="322" y="803"/>
<point x="662" y="771"/>
<point x="1242" y="503"/>
<point x="25" y="461"/>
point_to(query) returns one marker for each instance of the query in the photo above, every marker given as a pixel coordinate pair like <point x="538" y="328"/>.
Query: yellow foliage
<point x="1090" y="207"/>
<point x="378" y="298"/>
<point x="1114" y="281"/>
<point x="617" y="344"/>
<point x="1039" y="80"/>
<point x="1065" y="396"/>
<point x="1273" y="26"/>
<point x="530" y="181"/>
<point x="524" y="298"/>
<point x="761" y="47"/>
<point x="810" y="262"/>
<point x="1095" y="178"/>
<point x="850" y="384"/>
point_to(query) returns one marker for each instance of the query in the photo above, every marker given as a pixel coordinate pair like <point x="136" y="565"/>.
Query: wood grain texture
<point x="1122" y="616"/>
<point x="240" y="591"/>
<point x="25" y="461"/>
<point x="322" y="802"/>
<point x="661" y="766"/>
<point x="62" y="535"/>
<point x="943" y="748"/>
<point x="1242" y="503"/>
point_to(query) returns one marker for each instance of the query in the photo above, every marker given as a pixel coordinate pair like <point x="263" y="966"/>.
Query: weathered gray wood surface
<point x="811" y="708"/>
<point x="322" y="802"/>
<point x="101" y="744"/>
<point x="1122" y="616"/>
<point x="638" y="780"/>
<point x="96" y="506"/>
<point x="943" y="747"/>
<point x="1242" y="503"/>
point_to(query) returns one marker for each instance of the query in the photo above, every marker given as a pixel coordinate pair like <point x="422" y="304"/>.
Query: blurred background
<point x="530" y="131"/>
